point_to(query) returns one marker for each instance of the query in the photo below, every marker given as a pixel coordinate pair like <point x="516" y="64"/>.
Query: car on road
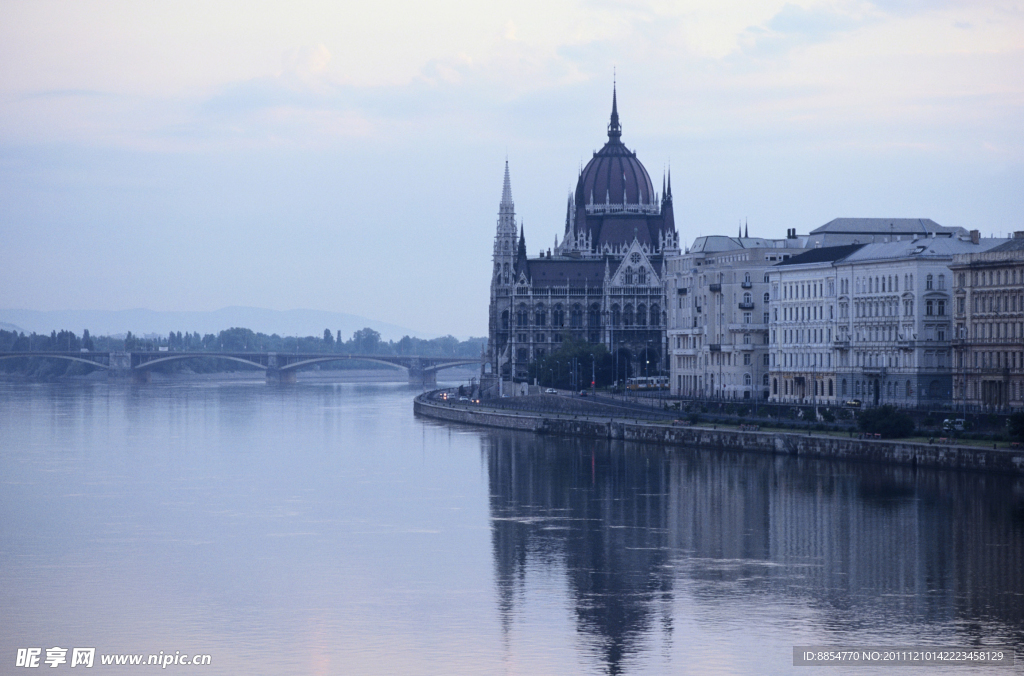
<point x="551" y="390"/>
<point x="463" y="398"/>
<point x="853" y="403"/>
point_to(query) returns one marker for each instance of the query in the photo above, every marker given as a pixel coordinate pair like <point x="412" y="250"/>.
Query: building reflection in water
<point x="868" y="546"/>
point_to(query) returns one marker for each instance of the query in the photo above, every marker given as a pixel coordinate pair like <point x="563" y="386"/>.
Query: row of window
<point x="996" y="303"/>
<point x="993" y="277"/>
<point x="620" y="317"/>
<point x="999" y="360"/>
<point x="804" y="290"/>
<point x="998" y="330"/>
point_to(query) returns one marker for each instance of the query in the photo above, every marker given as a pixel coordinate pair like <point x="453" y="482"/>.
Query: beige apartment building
<point x="989" y="334"/>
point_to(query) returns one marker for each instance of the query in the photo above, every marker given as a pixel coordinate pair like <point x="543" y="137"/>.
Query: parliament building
<point x="603" y="283"/>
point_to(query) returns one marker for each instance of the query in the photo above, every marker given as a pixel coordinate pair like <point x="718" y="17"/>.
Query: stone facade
<point x="988" y="290"/>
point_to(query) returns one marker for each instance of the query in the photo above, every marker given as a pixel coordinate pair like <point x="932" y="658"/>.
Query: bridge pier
<point x="424" y="377"/>
<point x="278" y="376"/>
<point x="141" y="376"/>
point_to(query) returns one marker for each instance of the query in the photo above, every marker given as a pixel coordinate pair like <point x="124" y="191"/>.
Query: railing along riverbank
<point x="609" y="425"/>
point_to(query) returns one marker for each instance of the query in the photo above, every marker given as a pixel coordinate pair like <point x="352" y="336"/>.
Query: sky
<point x="348" y="157"/>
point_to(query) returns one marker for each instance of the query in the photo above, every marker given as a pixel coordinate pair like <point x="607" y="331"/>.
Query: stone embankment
<point x="788" y="443"/>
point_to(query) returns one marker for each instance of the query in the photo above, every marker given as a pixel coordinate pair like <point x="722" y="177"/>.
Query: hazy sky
<point x="348" y="156"/>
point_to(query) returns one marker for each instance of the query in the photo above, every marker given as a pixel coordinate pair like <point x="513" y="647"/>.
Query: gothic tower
<point x="502" y="279"/>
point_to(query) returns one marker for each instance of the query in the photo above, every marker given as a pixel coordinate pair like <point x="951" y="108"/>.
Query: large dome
<point x="614" y="172"/>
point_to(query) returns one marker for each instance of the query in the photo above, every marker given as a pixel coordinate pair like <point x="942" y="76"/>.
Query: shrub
<point x="887" y="421"/>
<point x="1016" y="426"/>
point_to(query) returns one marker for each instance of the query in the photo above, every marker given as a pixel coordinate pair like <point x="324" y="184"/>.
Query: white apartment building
<point x="896" y="312"/>
<point x="869" y="322"/>
<point x="803" y="326"/>
<point x="717" y="315"/>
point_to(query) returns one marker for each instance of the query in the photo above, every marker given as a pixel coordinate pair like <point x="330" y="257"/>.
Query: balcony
<point x="841" y="343"/>
<point x="748" y="327"/>
<point x="715" y="288"/>
<point x="715" y="347"/>
<point x="746" y="306"/>
<point x="747" y="285"/>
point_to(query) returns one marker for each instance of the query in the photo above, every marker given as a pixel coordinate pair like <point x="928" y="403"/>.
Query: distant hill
<point x="142" y="322"/>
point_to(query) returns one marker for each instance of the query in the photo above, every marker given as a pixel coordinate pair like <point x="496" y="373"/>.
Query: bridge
<point x="280" y="367"/>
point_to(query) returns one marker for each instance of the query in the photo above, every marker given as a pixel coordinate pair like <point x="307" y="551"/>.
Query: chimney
<point x="975" y="236"/>
<point x="1018" y="234"/>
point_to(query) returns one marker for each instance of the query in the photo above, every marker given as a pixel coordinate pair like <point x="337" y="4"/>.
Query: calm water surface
<point x="323" y="529"/>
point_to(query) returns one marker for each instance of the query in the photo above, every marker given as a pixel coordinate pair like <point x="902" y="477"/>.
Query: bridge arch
<point x="147" y="365"/>
<point x="65" y="357"/>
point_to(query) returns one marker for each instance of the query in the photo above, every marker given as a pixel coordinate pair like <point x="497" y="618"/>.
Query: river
<point x="322" y="528"/>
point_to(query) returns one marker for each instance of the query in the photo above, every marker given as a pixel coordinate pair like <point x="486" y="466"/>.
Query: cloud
<point x="795" y="26"/>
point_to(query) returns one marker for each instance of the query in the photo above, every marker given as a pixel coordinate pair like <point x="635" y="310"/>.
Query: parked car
<point x="853" y="403"/>
<point x="551" y="390"/>
<point x="950" y="425"/>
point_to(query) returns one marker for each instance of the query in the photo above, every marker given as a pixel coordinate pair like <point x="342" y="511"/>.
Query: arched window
<point x="764" y="380"/>
<point x="942" y="282"/>
<point x="504" y="320"/>
<point x="641" y="315"/>
<point x="558" y="317"/>
<point x="540" y="317"/>
<point x="766" y="298"/>
<point x="746" y="298"/>
<point x="910" y="389"/>
<point x="641" y="276"/>
<point x="655" y="316"/>
<point x="928" y="282"/>
<point x="775" y="385"/>
<point x="616" y="315"/>
<point x="594" y="316"/>
<point x="627" y="276"/>
<point x="627" y="316"/>
<point x="522" y="316"/>
<point x="831" y="388"/>
<point x="576" y="316"/>
<point x="746" y="380"/>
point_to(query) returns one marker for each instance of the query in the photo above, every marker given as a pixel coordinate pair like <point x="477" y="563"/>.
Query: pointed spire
<point x="746" y="228"/>
<point x="614" y="129"/>
<point x="506" y="188"/>
<point x="739" y="228"/>
<point x="670" y="182"/>
<point x="522" y="262"/>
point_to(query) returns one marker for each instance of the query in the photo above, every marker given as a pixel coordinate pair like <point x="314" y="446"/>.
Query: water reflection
<point x="873" y="552"/>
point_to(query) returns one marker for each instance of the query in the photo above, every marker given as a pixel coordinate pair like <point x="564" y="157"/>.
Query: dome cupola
<point x="614" y="180"/>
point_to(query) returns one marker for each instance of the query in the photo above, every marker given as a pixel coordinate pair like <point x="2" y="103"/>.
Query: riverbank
<point x="611" y="426"/>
